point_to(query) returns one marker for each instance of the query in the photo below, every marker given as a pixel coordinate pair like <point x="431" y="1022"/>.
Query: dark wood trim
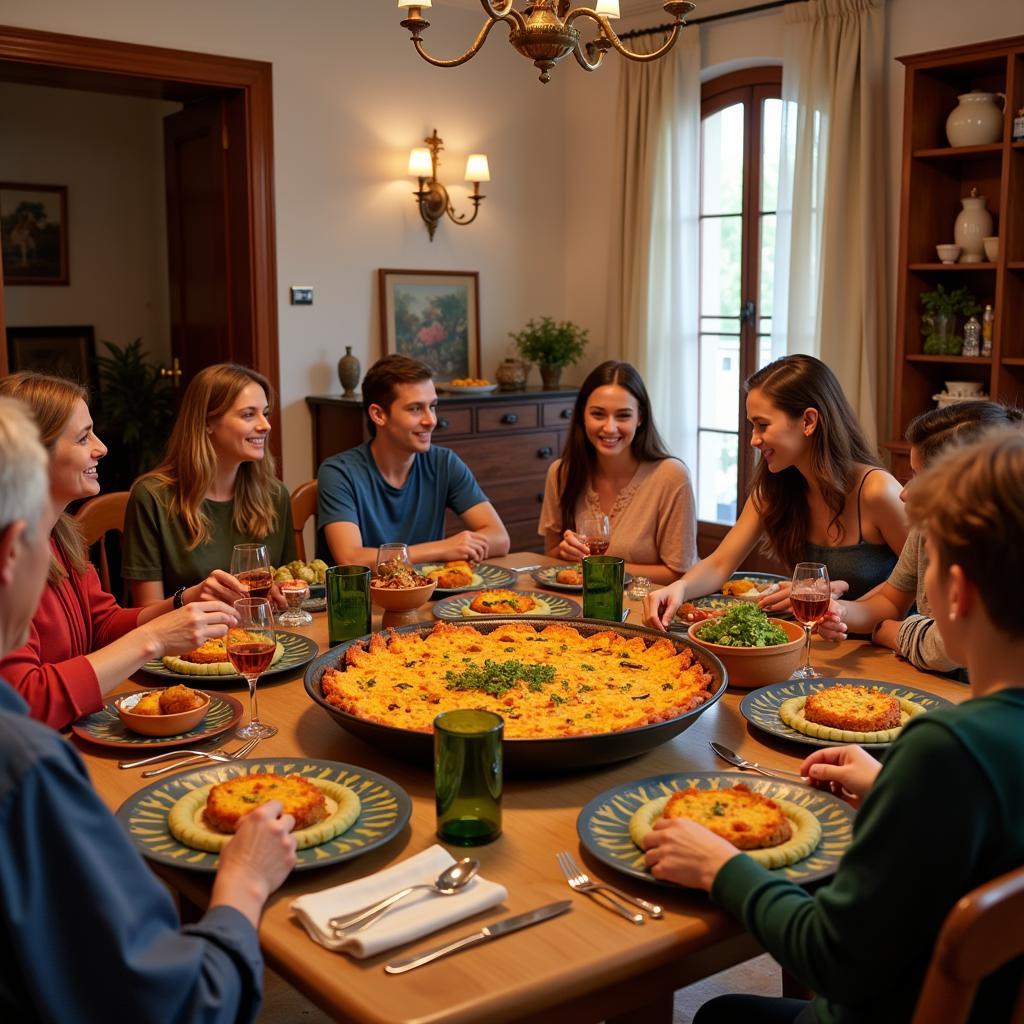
<point x="127" y="68"/>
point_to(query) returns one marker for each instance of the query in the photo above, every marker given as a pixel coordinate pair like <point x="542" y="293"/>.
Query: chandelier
<point x="544" y="32"/>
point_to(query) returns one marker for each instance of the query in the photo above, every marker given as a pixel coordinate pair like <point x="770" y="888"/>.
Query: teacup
<point x="948" y="253"/>
<point x="991" y="244"/>
<point x="963" y="388"/>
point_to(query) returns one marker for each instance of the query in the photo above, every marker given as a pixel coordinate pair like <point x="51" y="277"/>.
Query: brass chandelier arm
<point x="609" y="38"/>
<point x="501" y="9"/>
<point x="468" y="55"/>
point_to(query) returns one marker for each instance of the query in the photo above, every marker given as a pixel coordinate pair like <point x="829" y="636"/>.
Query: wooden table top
<point x="586" y="965"/>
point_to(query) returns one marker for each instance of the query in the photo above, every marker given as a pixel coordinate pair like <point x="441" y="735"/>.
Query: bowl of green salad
<point x="756" y="650"/>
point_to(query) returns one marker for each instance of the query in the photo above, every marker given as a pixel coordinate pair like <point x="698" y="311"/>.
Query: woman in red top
<point x="82" y="643"/>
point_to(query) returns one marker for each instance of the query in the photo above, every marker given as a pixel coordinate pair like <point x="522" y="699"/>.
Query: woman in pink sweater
<point x="82" y="643"/>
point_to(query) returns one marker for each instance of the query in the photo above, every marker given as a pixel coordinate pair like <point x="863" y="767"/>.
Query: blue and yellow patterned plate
<point x="299" y="650"/>
<point x="761" y="707"/>
<point x="456" y="609"/>
<point x="106" y="729"/>
<point x="545" y="577"/>
<point x="603" y="825"/>
<point x="385" y="810"/>
<point x="485" y="576"/>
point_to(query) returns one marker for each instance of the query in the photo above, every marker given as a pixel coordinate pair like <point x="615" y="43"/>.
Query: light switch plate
<point x="302" y="295"/>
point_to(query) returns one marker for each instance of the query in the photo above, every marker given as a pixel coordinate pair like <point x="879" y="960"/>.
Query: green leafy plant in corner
<point x="939" y="322"/>
<point x="550" y="342"/>
<point x="134" y="415"/>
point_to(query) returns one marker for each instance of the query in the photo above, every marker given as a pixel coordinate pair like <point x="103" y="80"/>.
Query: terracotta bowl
<point x="750" y="667"/>
<point x="402" y="600"/>
<point x="160" y="725"/>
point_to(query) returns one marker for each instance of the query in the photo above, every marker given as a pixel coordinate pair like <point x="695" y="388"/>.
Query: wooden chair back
<point x="981" y="933"/>
<point x="303" y="506"/>
<point x="96" y="518"/>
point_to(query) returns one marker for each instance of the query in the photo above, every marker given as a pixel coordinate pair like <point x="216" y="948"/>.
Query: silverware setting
<point x="580" y="881"/>
<point x="219" y="754"/>
<point x="232" y="755"/>
<point x="525" y="568"/>
<point x="741" y="762"/>
<point x="453" y="879"/>
<point x="625" y="614"/>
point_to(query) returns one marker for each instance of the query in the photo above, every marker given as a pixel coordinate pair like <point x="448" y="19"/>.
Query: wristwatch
<point x="179" y="597"/>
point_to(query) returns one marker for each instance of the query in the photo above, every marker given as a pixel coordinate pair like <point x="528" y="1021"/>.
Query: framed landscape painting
<point x="61" y="351"/>
<point x="432" y="316"/>
<point x="34" y="233"/>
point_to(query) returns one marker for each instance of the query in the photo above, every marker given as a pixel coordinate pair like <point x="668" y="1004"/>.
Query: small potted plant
<point x="938" y="324"/>
<point x="552" y="345"/>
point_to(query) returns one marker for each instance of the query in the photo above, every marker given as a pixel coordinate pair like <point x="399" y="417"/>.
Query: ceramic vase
<point x="973" y="224"/>
<point x="550" y="376"/>
<point x="348" y="372"/>
<point x="511" y="375"/>
<point x="976" y="120"/>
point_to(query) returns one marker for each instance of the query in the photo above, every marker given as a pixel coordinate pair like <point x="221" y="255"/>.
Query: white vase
<point x="973" y="225"/>
<point x="976" y="120"/>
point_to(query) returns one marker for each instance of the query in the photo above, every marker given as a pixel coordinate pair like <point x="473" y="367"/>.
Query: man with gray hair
<point x="84" y="925"/>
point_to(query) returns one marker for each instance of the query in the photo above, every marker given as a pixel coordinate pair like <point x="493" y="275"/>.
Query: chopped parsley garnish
<point x="587" y="668"/>
<point x="498" y="677"/>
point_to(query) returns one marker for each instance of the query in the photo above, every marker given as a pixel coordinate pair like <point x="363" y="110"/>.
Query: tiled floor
<point x="283" y="1005"/>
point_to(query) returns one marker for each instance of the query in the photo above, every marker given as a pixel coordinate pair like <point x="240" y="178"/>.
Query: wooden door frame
<point x="81" y="62"/>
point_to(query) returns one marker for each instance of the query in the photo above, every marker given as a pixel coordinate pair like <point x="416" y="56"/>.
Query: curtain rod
<point x="637" y="32"/>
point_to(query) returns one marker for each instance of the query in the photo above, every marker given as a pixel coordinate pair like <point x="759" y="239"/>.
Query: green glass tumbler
<point x="602" y="587"/>
<point x="348" y="602"/>
<point x="468" y="776"/>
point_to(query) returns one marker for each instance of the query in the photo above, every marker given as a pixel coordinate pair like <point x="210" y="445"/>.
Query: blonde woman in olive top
<point x="214" y="489"/>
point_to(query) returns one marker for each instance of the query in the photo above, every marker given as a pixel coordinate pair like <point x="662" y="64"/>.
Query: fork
<point x="741" y="762"/>
<point x="580" y="881"/>
<point x="165" y="755"/>
<point x="233" y="756"/>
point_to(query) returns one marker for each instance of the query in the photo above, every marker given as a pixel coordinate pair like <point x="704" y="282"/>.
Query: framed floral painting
<point x="34" y="233"/>
<point x="432" y="316"/>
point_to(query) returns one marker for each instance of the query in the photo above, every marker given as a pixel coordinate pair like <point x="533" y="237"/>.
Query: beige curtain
<point x="654" y="266"/>
<point x="832" y="234"/>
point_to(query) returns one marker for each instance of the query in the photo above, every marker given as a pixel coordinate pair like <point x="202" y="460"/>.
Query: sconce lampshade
<point x="420" y="165"/>
<point x="476" y="168"/>
<point x="609" y="8"/>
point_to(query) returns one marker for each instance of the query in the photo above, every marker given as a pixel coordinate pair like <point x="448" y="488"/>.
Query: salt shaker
<point x="972" y="338"/>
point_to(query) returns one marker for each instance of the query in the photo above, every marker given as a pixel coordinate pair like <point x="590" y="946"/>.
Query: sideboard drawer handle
<point x="545" y="453"/>
<point x="442" y="423"/>
<point x="565" y="413"/>
<point x="510" y="418"/>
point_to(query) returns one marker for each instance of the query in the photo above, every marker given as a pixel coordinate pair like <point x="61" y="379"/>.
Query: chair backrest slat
<point x="303" y="506"/>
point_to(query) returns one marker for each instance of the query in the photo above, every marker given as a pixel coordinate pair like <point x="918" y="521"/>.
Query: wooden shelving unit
<point x="935" y="177"/>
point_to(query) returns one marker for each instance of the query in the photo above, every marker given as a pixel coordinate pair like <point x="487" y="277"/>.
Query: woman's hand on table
<point x="572" y="548"/>
<point x="681" y="851"/>
<point x="189" y="627"/>
<point x="660" y="606"/>
<point x="848" y="772"/>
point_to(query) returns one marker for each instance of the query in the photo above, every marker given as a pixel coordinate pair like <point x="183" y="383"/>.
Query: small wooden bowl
<point x="160" y="725"/>
<point x="750" y="667"/>
<point x="402" y="600"/>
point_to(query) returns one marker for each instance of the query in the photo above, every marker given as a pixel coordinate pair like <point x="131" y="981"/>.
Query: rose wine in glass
<point x="595" y="532"/>
<point x="250" y="564"/>
<point x="251" y="646"/>
<point x="809" y="599"/>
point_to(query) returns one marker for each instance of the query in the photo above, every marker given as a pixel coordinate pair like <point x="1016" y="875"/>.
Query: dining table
<point x="585" y="965"/>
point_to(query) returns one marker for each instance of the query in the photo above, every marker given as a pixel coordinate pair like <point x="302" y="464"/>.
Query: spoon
<point x="454" y="877"/>
<point x="741" y="762"/>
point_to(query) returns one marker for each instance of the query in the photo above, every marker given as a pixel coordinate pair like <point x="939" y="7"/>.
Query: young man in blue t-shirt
<point x="397" y="486"/>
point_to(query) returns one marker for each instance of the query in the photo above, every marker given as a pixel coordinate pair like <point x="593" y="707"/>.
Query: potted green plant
<point x="551" y="344"/>
<point x="938" y="324"/>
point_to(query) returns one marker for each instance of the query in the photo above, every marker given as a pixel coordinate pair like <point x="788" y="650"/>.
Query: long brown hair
<point x="190" y="461"/>
<point x="963" y="422"/>
<point x="579" y="459"/>
<point x="794" y="384"/>
<point x="52" y="401"/>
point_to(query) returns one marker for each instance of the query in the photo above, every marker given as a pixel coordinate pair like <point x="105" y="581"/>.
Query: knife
<point x="492" y="931"/>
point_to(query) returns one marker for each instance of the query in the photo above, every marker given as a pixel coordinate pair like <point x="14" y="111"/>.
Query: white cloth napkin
<point x="417" y="914"/>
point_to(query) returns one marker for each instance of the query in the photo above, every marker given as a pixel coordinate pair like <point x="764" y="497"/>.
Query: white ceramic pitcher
<point x="976" y="120"/>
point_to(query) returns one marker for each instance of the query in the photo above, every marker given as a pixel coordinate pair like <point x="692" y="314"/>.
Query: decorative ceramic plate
<point x="546" y="578"/>
<point x="385" y="810"/>
<point x="603" y="825"/>
<point x="456" y="609"/>
<point x="761" y="707"/>
<point x="299" y="650"/>
<point x="467" y="389"/>
<point x="106" y="729"/>
<point x="485" y="576"/>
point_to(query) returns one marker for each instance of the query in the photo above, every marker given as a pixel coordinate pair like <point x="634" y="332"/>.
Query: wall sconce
<point x="432" y="197"/>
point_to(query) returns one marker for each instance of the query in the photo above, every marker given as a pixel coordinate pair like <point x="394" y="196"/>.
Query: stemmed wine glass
<point x="251" y="646"/>
<point x="250" y="564"/>
<point x="809" y="598"/>
<point x="595" y="532"/>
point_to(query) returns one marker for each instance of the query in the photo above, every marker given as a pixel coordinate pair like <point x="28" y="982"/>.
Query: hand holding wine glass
<point x="251" y="646"/>
<point x="595" y="532"/>
<point x="809" y="598"/>
<point x="250" y="563"/>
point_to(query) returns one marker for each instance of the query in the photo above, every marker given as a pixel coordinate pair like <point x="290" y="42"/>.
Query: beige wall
<point x="108" y="151"/>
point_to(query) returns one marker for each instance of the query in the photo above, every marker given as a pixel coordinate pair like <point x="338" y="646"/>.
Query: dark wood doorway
<point x="222" y="139"/>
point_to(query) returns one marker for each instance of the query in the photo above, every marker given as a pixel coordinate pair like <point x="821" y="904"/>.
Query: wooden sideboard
<point x="507" y="438"/>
